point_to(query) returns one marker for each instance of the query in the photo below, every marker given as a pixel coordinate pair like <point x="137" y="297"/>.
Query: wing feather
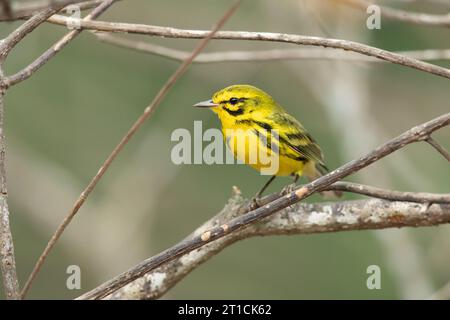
<point x="295" y="136"/>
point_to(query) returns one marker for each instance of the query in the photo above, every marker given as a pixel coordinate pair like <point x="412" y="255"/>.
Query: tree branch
<point x="134" y="128"/>
<point x="311" y="218"/>
<point x="20" y="11"/>
<point x="438" y="148"/>
<point x="14" y="38"/>
<point x="8" y="265"/>
<point x="301" y="218"/>
<point x="45" y="57"/>
<point x="58" y="46"/>
<point x="419" y="197"/>
<point x="424" y="19"/>
<point x="418" y="133"/>
<point x="370" y="191"/>
<point x="169" y="32"/>
<point x="262" y="55"/>
<point x="7" y="260"/>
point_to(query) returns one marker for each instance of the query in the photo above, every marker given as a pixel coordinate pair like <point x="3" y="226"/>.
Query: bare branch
<point x="438" y="148"/>
<point x="424" y="19"/>
<point x="263" y="55"/>
<point x="58" y="46"/>
<point x="169" y="32"/>
<point x="134" y="128"/>
<point x="14" y="38"/>
<point x="415" y="134"/>
<point x="301" y="218"/>
<point x="7" y="260"/>
<point x="45" y="57"/>
<point x="19" y="11"/>
<point x="419" y="197"/>
<point x="370" y="191"/>
<point x="8" y="266"/>
<point x="240" y="226"/>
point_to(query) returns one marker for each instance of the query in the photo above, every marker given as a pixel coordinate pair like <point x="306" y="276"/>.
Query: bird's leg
<point x="260" y="192"/>
<point x="291" y="187"/>
<point x="254" y="201"/>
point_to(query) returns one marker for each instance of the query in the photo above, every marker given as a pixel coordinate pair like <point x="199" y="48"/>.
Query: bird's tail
<point x="315" y="170"/>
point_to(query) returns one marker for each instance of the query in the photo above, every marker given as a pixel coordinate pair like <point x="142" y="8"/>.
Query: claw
<point x="288" y="189"/>
<point x="254" y="203"/>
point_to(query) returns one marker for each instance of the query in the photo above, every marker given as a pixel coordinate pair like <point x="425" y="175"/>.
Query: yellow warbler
<point x="254" y="123"/>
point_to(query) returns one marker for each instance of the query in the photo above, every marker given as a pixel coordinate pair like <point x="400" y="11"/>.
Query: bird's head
<point x="238" y="102"/>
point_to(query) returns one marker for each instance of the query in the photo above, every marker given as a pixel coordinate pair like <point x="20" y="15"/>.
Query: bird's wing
<point x="294" y="135"/>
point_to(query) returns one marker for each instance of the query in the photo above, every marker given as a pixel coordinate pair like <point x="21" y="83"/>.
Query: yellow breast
<point x="259" y="151"/>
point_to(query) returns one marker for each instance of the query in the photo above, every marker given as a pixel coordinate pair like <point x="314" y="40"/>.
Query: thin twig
<point x="424" y="19"/>
<point x="438" y="148"/>
<point x="419" y="197"/>
<point x="415" y="134"/>
<point x="8" y="266"/>
<point x="134" y="128"/>
<point x="410" y="278"/>
<point x="14" y="37"/>
<point x="262" y="55"/>
<point x="20" y="11"/>
<point x="58" y="46"/>
<point x="301" y="218"/>
<point x="169" y="32"/>
<point x="45" y="57"/>
<point x="370" y="191"/>
<point x="7" y="260"/>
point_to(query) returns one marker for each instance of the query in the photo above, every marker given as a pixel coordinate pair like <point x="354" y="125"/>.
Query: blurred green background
<point x="63" y="122"/>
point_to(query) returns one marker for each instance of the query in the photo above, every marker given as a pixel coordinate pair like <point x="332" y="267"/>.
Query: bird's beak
<point x="206" y="104"/>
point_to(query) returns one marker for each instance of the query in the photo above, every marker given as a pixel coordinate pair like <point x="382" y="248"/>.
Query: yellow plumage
<point x="254" y="124"/>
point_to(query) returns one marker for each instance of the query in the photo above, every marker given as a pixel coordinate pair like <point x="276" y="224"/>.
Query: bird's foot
<point x="288" y="189"/>
<point x="254" y="203"/>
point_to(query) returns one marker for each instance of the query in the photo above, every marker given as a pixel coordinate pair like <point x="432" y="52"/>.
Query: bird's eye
<point x="234" y="100"/>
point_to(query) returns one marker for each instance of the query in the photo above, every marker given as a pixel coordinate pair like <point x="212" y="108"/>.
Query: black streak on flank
<point x="299" y="158"/>
<point x="264" y="125"/>
<point x="244" y="121"/>
<point x="265" y="140"/>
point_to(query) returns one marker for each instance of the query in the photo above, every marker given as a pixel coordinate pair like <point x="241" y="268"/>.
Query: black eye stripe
<point x="233" y="100"/>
